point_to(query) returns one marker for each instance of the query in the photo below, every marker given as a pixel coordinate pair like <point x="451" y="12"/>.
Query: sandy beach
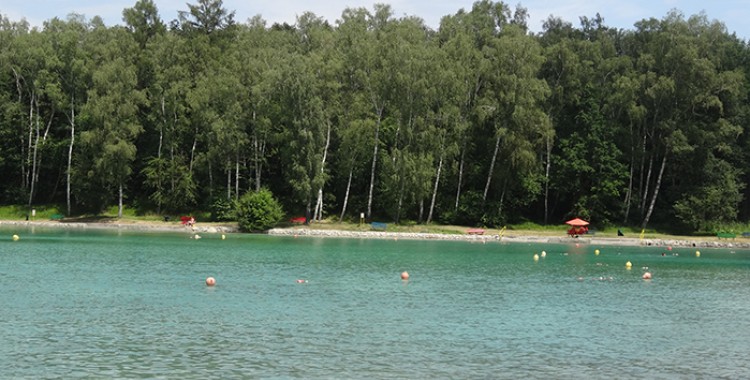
<point x="303" y="231"/>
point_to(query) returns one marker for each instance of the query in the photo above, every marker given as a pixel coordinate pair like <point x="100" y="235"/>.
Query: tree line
<point x="480" y="122"/>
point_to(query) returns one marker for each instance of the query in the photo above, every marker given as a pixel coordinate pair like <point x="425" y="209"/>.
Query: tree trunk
<point x="192" y="151"/>
<point x="229" y="182"/>
<point x="646" y="185"/>
<point x="35" y="126"/>
<point x="159" y="173"/>
<point x="492" y="168"/>
<point x="374" y="163"/>
<point x="642" y="170"/>
<point x="629" y="192"/>
<point x="399" y="203"/>
<point x="119" y="204"/>
<point x="237" y="175"/>
<point x="435" y="189"/>
<point x="421" y="210"/>
<point x="547" y="167"/>
<point x="70" y="151"/>
<point x="38" y="156"/>
<point x="308" y="212"/>
<point x="319" y="203"/>
<point x="656" y="192"/>
<point x="460" y="177"/>
<point x="346" y="195"/>
<point x="318" y="213"/>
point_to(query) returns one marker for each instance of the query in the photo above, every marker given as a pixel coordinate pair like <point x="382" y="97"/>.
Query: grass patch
<point x="17" y="212"/>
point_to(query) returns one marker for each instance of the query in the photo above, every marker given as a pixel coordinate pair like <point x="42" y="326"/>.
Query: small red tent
<point x="577" y="222"/>
<point x="578" y="227"/>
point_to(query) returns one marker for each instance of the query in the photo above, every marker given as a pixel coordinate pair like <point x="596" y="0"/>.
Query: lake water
<point x="108" y="304"/>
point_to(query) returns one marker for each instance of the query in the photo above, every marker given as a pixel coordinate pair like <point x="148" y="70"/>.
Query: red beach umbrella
<point x="577" y="222"/>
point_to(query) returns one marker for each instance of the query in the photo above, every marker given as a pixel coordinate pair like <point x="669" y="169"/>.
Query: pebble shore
<point x="607" y="241"/>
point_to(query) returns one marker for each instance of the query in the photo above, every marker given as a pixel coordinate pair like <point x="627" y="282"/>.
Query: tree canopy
<point x="479" y="122"/>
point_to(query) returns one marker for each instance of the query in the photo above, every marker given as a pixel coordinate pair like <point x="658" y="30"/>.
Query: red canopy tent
<point x="577" y="222"/>
<point x="578" y="227"/>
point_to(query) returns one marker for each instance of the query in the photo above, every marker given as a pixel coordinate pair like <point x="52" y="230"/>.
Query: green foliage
<point x="258" y="211"/>
<point x="379" y="113"/>
<point x="223" y="210"/>
<point x="713" y="204"/>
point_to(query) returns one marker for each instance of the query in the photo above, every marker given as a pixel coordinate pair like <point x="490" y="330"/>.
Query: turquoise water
<point x="104" y="304"/>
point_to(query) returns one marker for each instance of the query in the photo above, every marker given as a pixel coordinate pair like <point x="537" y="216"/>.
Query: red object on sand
<point x="299" y="219"/>
<point x="475" y="231"/>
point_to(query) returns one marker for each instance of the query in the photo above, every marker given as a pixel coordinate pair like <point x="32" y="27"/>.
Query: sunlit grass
<point x="132" y="215"/>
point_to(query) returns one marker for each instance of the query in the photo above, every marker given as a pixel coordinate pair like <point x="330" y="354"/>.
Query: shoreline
<point x="509" y="238"/>
<point x="325" y="233"/>
<point x="138" y="227"/>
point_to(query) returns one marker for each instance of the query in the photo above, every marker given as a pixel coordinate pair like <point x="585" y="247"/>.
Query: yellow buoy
<point x="697" y="253"/>
<point x="628" y="265"/>
<point x="15" y="237"/>
<point x="596" y="252"/>
<point x="544" y="254"/>
<point x="536" y="257"/>
<point x="223" y="236"/>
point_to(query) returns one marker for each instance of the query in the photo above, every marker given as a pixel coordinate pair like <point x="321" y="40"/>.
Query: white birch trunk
<point x="119" y="204"/>
<point x="318" y="215"/>
<point x="435" y="189"/>
<point x="237" y="175"/>
<point x="492" y="169"/>
<point x="70" y="152"/>
<point x="656" y="192"/>
<point x="374" y="164"/>
<point x="460" y="178"/>
<point x="346" y="195"/>
<point x="33" y="124"/>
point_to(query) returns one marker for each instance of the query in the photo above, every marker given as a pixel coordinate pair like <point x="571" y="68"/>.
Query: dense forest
<point x="480" y="122"/>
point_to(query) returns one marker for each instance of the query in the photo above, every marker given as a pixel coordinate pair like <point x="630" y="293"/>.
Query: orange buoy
<point x="647" y="276"/>
<point x="404" y="275"/>
<point x="210" y="281"/>
<point x="301" y="281"/>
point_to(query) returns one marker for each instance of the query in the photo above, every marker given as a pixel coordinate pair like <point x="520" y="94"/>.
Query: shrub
<point x="258" y="211"/>
<point x="223" y="210"/>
